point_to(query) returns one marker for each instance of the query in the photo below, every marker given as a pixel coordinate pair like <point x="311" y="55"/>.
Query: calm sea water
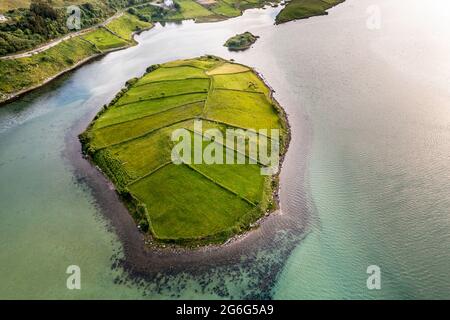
<point x="370" y="114"/>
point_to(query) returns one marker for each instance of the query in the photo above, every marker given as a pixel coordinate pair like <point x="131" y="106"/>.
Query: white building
<point x="168" y="3"/>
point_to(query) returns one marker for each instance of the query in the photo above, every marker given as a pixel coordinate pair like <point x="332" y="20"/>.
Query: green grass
<point x="23" y="73"/>
<point x="117" y="114"/>
<point x="203" y="63"/>
<point x="242" y="109"/>
<point x="164" y="89"/>
<point x="301" y="9"/>
<point x="141" y="156"/>
<point x="183" y="204"/>
<point x="244" y="179"/>
<point x="214" y="11"/>
<point x="225" y="9"/>
<point x="6" y="5"/>
<point x="190" y="10"/>
<point x="247" y="81"/>
<point x="126" y="24"/>
<point x="227" y="68"/>
<point x="164" y="73"/>
<point x="104" y="40"/>
<point x="135" y="128"/>
<point x="190" y="203"/>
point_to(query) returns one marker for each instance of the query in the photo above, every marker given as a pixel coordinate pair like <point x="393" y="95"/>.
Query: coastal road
<point x="53" y="43"/>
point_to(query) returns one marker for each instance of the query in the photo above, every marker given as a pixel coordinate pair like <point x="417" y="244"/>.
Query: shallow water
<point x="370" y="115"/>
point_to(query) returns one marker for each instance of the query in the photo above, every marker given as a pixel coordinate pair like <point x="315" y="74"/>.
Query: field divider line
<point x="237" y="90"/>
<point x="183" y="65"/>
<point x="237" y="127"/>
<point x="114" y="34"/>
<point x="210" y="90"/>
<point x="226" y="147"/>
<point x="142" y="136"/>
<point x="150" y="173"/>
<point x="168" y="80"/>
<point x="164" y="97"/>
<point x="91" y="43"/>
<point x="149" y="115"/>
<point x="219" y="184"/>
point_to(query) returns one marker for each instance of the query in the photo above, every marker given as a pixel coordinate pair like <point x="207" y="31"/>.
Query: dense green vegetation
<point x="23" y="73"/>
<point x="126" y="23"/>
<point x="44" y="20"/>
<point x="6" y="5"/>
<point x="241" y="41"/>
<point x="27" y="72"/>
<point x="200" y="10"/>
<point x="26" y="28"/>
<point x="301" y="9"/>
<point x="130" y="140"/>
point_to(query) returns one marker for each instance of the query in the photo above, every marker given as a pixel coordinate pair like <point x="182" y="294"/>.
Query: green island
<point x="241" y="41"/>
<point x="130" y="140"/>
<point x="302" y="9"/>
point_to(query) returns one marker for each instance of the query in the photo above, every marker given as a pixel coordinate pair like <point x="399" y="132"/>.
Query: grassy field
<point x="6" y="5"/>
<point x="162" y="89"/>
<point x="202" y="10"/>
<point x="301" y="9"/>
<point x="145" y="108"/>
<point x="226" y="9"/>
<point x="130" y="140"/>
<point x="190" y="10"/>
<point x="246" y="81"/>
<point x="19" y="74"/>
<point x="183" y="204"/>
<point x="126" y="24"/>
<point x="24" y="73"/>
<point x="104" y="40"/>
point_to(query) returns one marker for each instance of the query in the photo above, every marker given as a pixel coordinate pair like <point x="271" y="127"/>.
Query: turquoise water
<point x="379" y="166"/>
<point x="370" y="117"/>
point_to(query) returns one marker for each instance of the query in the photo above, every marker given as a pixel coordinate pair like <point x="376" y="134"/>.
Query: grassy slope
<point x="226" y="9"/>
<point x="218" y="10"/>
<point x="24" y="73"/>
<point x="126" y="23"/>
<point x="190" y="10"/>
<point x="186" y="204"/>
<point x="104" y="40"/>
<point x="301" y="9"/>
<point x="27" y="72"/>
